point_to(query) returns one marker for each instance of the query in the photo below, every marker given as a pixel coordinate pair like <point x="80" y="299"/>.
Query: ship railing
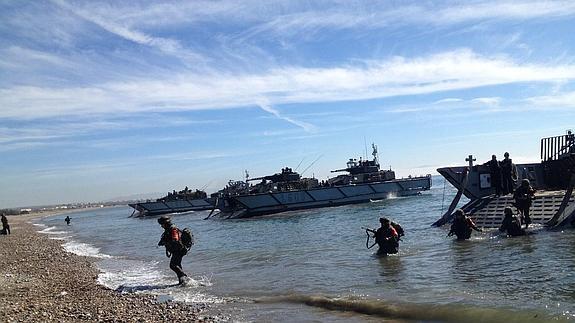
<point x="554" y="148"/>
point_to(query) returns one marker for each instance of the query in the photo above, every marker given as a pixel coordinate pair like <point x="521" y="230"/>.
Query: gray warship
<point x="362" y="182"/>
<point x="553" y="178"/>
<point x="174" y="202"/>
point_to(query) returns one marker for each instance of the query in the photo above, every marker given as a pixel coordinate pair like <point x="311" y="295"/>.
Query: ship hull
<point x="166" y="207"/>
<point x="275" y="202"/>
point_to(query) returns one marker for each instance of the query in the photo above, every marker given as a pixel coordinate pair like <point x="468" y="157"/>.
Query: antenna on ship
<point x="298" y="165"/>
<point x="247" y="174"/>
<point x="365" y="145"/>
<point x="310" y="165"/>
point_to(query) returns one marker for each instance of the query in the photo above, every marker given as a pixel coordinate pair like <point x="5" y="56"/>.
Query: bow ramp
<point x="487" y="212"/>
<point x="553" y="178"/>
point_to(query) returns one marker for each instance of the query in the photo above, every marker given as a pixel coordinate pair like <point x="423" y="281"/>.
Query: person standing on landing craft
<point x="5" y="225"/>
<point x="508" y="174"/>
<point x="171" y="239"/>
<point x="495" y="171"/>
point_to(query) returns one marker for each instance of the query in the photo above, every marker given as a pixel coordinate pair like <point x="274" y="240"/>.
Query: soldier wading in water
<point x="462" y="226"/>
<point x="177" y="244"/>
<point x="387" y="237"/>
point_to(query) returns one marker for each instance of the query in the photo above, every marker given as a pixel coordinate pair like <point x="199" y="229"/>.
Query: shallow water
<point x="313" y="265"/>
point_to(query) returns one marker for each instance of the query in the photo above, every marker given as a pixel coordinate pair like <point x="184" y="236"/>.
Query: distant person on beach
<point x="5" y="225"/>
<point x="524" y="196"/>
<point x="67" y="219"/>
<point x="508" y="174"/>
<point x="511" y="224"/>
<point x="462" y="226"/>
<point x="386" y="237"/>
<point x="495" y="172"/>
<point x="171" y="239"/>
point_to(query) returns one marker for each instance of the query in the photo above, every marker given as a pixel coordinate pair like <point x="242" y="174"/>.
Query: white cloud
<point x="561" y="100"/>
<point x="166" y="45"/>
<point x="448" y="100"/>
<point x="454" y="70"/>
<point x="268" y="108"/>
<point x="357" y="15"/>
<point x="489" y="101"/>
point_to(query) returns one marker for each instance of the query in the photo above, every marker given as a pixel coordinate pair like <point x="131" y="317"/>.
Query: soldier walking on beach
<point x="508" y="174"/>
<point x="524" y="196"/>
<point x="171" y="239"/>
<point x="5" y="225"/>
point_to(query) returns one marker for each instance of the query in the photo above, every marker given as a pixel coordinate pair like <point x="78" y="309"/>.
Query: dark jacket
<point x="387" y="239"/>
<point x="462" y="228"/>
<point x="494" y="167"/>
<point x="512" y="225"/>
<point x="524" y="196"/>
<point x="507" y="167"/>
<point x="171" y="239"/>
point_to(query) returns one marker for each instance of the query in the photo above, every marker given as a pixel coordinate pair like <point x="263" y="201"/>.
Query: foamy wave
<point x="148" y="278"/>
<point x="83" y="249"/>
<point x="132" y="277"/>
<point x="60" y="238"/>
<point x="50" y="230"/>
<point x="195" y="297"/>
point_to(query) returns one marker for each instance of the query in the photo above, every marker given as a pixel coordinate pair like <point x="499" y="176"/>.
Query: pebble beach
<point x="40" y="282"/>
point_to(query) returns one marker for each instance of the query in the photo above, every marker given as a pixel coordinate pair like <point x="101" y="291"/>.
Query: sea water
<point x="313" y="265"/>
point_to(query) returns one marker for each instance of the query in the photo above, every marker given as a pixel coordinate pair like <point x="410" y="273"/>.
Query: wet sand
<point x="40" y="282"/>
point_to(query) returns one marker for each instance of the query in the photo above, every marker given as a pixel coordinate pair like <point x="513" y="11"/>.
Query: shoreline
<point x="42" y="282"/>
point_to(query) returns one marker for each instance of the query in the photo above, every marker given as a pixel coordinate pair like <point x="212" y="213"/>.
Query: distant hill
<point x="135" y="197"/>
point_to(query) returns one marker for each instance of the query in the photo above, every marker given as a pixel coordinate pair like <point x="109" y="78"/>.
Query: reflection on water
<point x="391" y="269"/>
<point x="321" y="253"/>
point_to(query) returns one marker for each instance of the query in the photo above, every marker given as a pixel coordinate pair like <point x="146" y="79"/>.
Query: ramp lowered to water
<point x="487" y="212"/>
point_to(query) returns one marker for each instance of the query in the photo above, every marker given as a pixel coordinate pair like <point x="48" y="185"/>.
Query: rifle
<point x="367" y="231"/>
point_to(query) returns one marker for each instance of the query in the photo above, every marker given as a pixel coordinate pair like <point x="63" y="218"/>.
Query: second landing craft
<point x="364" y="181"/>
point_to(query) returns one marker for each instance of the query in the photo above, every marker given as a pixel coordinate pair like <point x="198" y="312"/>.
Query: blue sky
<point x="105" y="99"/>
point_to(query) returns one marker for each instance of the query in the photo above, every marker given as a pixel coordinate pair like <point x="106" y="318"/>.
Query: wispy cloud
<point x="489" y="101"/>
<point x="166" y="45"/>
<point x="447" y="100"/>
<point x="357" y="15"/>
<point x="453" y="70"/>
<point x="268" y="108"/>
<point x="562" y="100"/>
<point x="64" y="132"/>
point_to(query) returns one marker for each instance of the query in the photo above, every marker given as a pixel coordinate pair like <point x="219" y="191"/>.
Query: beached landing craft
<point x="287" y="191"/>
<point x="175" y="202"/>
<point x="553" y="178"/>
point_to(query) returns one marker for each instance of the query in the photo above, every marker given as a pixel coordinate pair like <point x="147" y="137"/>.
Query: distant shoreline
<point x="42" y="282"/>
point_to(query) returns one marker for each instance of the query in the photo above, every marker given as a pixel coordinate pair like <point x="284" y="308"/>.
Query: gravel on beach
<point x="40" y="282"/>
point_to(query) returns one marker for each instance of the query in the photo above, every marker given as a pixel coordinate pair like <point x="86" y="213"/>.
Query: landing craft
<point x="363" y="182"/>
<point x="174" y="202"/>
<point x="553" y="178"/>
